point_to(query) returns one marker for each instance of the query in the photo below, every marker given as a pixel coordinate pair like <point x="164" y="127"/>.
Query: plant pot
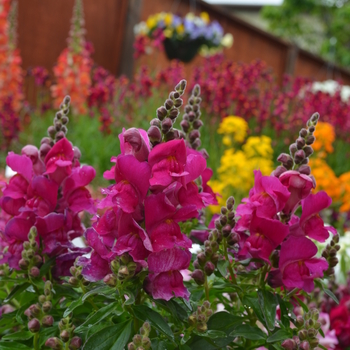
<point x="184" y="50"/>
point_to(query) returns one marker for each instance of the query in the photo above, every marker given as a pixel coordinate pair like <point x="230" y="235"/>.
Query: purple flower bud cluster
<point x="191" y="122"/>
<point x="200" y="317"/>
<point x="308" y="327"/>
<point x="162" y="127"/>
<point x="141" y="341"/>
<point x="39" y="314"/>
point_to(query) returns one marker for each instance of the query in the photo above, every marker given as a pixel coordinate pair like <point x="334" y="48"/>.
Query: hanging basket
<point x="183" y="50"/>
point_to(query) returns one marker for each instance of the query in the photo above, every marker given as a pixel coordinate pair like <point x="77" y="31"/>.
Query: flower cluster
<point x="48" y="192"/>
<point x="11" y="76"/>
<point x="269" y="216"/>
<point x="198" y="29"/>
<point x="73" y="68"/>
<point x="241" y="160"/>
<point x="154" y="190"/>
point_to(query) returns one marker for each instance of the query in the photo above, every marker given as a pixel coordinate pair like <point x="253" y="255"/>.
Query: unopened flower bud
<point x="64" y="120"/>
<point x="47" y="306"/>
<point x="34" y="325"/>
<point x="308" y="151"/>
<point x="168" y="104"/>
<point x="194" y="134"/>
<point x="201" y="258"/>
<point x="123" y="272"/>
<point x="226" y="230"/>
<point x="75" y="343"/>
<point x="154" y="134"/>
<point x="196" y="143"/>
<point x="181" y="86"/>
<point x="178" y="103"/>
<point x="185" y="125"/>
<point x="223" y="220"/>
<point x="146" y="343"/>
<point x="198" y="276"/>
<point x="293" y="148"/>
<point x="312" y="333"/>
<point x="305" y="169"/>
<point x="137" y="339"/>
<point x="289" y="344"/>
<point x="161" y="113"/>
<point x="42" y="299"/>
<point x="47" y="321"/>
<point x="73" y="281"/>
<point x="209" y="268"/>
<point x="132" y="346"/>
<point x="286" y="160"/>
<point x="166" y="125"/>
<point x="23" y="264"/>
<point x="60" y="135"/>
<point x="299" y="156"/>
<point x="233" y="238"/>
<point x="34" y="272"/>
<point x="310" y="140"/>
<point x="65" y="335"/>
<point x="197" y="124"/>
<point x="303" y="133"/>
<point x="51" y="130"/>
<point x="300" y="321"/>
<point x="54" y="343"/>
<point x="279" y="171"/>
<point x="302" y="334"/>
<point x="304" y="345"/>
<point x="231" y="216"/>
<point x="34" y="310"/>
<point x="155" y="122"/>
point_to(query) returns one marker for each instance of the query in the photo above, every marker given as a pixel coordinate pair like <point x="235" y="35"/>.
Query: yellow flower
<point x="180" y="28"/>
<point x="233" y="126"/>
<point x="205" y="17"/>
<point x="325" y="136"/>
<point x="151" y="22"/>
<point x="236" y="171"/>
<point x="258" y="146"/>
<point x="168" y="19"/>
<point x="168" y="32"/>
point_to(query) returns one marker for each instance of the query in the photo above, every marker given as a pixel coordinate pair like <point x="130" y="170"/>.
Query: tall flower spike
<point x="299" y="151"/>
<point x="76" y="40"/>
<point x="162" y="127"/>
<point x="59" y="128"/>
<point x="191" y="122"/>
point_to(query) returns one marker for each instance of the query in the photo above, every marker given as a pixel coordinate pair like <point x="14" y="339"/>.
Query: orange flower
<point x="325" y="136"/>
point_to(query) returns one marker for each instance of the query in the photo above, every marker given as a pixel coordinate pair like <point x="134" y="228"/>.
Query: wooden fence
<point x="43" y="27"/>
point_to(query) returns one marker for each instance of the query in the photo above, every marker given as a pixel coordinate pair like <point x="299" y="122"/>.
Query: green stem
<point x="66" y="347"/>
<point x="232" y="274"/>
<point x="36" y="341"/>
<point x="291" y="293"/>
<point x="206" y="286"/>
<point x="263" y="275"/>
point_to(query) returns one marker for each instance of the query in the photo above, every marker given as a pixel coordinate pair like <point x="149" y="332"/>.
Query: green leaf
<point x="22" y="335"/>
<point x="222" y="267"/>
<point x="144" y="313"/>
<point x="322" y="347"/>
<point x="18" y="289"/>
<point x="253" y="302"/>
<point x="212" y="334"/>
<point x="268" y="305"/>
<point x="46" y="267"/>
<point x="98" y="316"/>
<point x="105" y="290"/>
<point x="186" y="337"/>
<point x="331" y="295"/>
<point x="106" y="338"/>
<point x="74" y="304"/>
<point x="173" y="307"/>
<point x="278" y="336"/>
<point x="284" y="312"/>
<point x="248" y="332"/>
<point x="12" y="345"/>
<point x="123" y="338"/>
<point x="223" y="320"/>
<point x="302" y="304"/>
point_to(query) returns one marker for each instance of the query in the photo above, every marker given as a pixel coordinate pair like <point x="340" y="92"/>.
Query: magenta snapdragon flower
<point x="298" y="264"/>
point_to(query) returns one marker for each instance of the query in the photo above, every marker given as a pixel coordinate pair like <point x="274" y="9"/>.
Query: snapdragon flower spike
<point x="191" y="122"/>
<point x="154" y="190"/>
<point x="294" y="173"/>
<point x="47" y="192"/>
<point x="162" y="128"/>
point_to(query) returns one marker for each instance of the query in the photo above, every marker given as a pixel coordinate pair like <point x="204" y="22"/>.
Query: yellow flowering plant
<point x="240" y="158"/>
